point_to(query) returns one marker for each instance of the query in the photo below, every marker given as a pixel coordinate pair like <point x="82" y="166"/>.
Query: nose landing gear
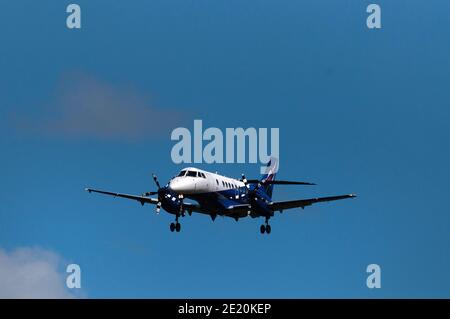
<point x="266" y="228"/>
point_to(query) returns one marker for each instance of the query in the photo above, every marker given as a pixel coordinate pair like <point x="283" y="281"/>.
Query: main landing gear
<point x="266" y="228"/>
<point x="175" y="226"/>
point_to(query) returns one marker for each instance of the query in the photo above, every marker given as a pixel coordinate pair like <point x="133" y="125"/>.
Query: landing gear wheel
<point x="263" y="229"/>
<point x="178" y="227"/>
<point x="172" y="227"/>
<point x="268" y="229"/>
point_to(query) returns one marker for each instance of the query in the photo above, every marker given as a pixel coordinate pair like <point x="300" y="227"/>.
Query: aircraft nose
<point x="179" y="185"/>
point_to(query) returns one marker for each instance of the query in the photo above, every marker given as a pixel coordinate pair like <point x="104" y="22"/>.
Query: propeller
<point x="162" y="192"/>
<point x="155" y="178"/>
<point x="260" y="183"/>
<point x="251" y="193"/>
<point x="158" y="205"/>
<point x="158" y="192"/>
<point x="253" y="181"/>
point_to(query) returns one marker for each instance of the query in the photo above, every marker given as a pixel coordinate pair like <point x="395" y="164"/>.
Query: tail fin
<point x="269" y="174"/>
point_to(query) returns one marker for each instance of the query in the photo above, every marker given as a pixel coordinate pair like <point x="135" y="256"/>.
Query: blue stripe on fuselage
<point x="218" y="201"/>
<point x="221" y="200"/>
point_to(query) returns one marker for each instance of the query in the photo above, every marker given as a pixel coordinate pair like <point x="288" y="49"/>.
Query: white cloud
<point x="32" y="273"/>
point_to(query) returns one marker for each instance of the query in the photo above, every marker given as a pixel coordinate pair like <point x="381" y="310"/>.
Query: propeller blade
<point x="156" y="180"/>
<point x="245" y="181"/>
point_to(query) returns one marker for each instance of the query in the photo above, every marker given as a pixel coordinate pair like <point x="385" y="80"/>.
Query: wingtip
<point x="353" y="195"/>
<point x="87" y="189"/>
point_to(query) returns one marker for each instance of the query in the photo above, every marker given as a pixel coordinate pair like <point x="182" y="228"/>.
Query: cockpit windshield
<point x="187" y="173"/>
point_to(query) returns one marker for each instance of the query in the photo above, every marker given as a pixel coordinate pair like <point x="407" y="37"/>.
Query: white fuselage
<point x="196" y="181"/>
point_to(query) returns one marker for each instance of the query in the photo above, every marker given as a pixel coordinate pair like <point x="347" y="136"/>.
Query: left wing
<point x="279" y="206"/>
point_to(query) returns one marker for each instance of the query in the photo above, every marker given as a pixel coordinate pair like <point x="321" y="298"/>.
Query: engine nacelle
<point x="171" y="202"/>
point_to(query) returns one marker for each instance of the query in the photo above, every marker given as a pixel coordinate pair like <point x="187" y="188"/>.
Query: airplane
<point x="215" y="194"/>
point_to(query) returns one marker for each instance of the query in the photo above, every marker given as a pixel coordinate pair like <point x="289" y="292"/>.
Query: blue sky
<point x="359" y="110"/>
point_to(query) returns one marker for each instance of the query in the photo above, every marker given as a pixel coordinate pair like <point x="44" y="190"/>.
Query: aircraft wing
<point x="190" y="207"/>
<point x="279" y="206"/>
<point x="142" y="199"/>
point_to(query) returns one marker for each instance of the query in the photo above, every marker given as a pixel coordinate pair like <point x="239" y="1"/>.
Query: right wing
<point x="190" y="207"/>
<point x="142" y="199"/>
<point x="279" y="206"/>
